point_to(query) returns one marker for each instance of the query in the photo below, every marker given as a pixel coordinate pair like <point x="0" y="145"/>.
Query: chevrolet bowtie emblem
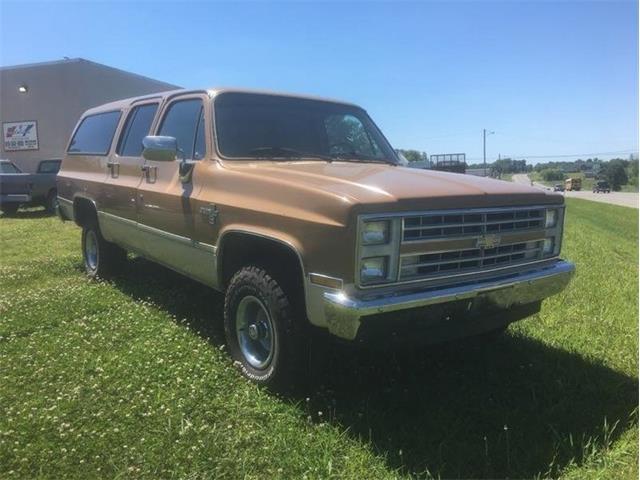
<point x="488" y="241"/>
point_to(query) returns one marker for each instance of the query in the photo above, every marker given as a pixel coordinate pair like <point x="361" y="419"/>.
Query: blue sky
<point x="550" y="78"/>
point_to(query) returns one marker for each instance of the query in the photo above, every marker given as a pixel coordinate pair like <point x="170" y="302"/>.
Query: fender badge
<point x="211" y="212"/>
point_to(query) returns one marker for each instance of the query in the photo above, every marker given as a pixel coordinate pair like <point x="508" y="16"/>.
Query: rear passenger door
<point x="124" y="167"/>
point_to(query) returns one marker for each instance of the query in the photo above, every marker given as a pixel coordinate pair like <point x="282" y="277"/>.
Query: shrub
<point x="552" y="175"/>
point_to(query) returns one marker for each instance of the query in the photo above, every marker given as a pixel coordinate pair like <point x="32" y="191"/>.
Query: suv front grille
<point x="468" y="260"/>
<point x="445" y="225"/>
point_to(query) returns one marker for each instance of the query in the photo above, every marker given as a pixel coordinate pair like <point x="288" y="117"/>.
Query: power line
<point x="567" y="155"/>
<point x="564" y="155"/>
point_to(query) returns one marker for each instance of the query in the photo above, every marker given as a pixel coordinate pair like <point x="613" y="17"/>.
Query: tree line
<point x="617" y="171"/>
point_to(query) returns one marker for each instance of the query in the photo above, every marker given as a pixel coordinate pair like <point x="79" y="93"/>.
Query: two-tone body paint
<point x="310" y="206"/>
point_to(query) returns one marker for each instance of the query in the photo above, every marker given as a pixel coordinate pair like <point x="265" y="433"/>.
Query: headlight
<point x="548" y="245"/>
<point x="373" y="269"/>
<point x="551" y="218"/>
<point x="375" y="233"/>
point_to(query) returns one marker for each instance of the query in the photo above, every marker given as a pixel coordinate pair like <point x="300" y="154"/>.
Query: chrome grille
<point x="445" y="225"/>
<point x="468" y="260"/>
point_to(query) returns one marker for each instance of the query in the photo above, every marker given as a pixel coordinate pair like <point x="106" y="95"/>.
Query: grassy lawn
<point x="130" y="379"/>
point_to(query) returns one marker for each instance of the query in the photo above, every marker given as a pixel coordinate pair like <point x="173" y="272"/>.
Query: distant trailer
<point x="449" y="162"/>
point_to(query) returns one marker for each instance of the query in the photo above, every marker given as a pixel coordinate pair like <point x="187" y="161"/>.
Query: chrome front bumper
<point x="343" y="313"/>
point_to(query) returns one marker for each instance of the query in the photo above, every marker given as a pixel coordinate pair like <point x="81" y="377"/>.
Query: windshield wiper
<point x="289" y="153"/>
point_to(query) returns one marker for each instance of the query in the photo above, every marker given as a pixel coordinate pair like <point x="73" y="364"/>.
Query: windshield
<point x="268" y="126"/>
<point x="6" y="167"/>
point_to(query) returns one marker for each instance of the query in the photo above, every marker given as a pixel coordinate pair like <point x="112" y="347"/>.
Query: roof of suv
<point x="118" y="104"/>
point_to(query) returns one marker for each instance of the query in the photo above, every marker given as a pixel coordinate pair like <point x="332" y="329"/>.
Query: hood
<point x="395" y="187"/>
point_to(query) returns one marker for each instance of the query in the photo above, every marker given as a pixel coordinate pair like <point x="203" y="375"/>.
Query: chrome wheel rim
<point x="254" y="330"/>
<point x="91" y="249"/>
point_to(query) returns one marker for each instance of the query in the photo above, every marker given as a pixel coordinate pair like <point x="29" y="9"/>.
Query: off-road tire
<point x="109" y="257"/>
<point x="289" y="360"/>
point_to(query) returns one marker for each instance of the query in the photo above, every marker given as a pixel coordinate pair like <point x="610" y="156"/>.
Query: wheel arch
<point x="84" y="210"/>
<point x="238" y="247"/>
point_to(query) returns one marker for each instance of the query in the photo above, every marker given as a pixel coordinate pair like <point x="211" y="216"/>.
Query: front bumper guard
<point x="343" y="313"/>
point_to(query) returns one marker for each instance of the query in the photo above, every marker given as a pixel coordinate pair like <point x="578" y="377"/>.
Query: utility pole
<point x="484" y="149"/>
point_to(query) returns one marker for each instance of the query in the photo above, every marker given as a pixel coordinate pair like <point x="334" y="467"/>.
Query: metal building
<point x="40" y="103"/>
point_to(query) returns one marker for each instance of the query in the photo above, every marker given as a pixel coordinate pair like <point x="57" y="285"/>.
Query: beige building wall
<point x="57" y="94"/>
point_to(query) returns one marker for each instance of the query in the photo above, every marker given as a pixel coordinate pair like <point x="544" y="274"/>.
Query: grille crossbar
<point x="428" y="264"/>
<point x="421" y="227"/>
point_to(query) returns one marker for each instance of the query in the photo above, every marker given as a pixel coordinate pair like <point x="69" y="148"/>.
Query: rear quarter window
<point x="95" y="134"/>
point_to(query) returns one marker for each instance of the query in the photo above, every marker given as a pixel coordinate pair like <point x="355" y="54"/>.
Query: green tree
<point x="413" y="155"/>
<point x="615" y="173"/>
<point x="633" y="171"/>
<point x="552" y="175"/>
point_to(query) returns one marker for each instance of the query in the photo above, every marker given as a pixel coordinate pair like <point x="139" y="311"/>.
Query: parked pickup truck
<point x="296" y="208"/>
<point x="28" y="189"/>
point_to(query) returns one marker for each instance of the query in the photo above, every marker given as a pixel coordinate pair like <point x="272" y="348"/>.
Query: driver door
<point x="167" y="205"/>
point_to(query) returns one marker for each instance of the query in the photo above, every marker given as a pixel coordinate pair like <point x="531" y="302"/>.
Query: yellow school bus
<point x="573" y="184"/>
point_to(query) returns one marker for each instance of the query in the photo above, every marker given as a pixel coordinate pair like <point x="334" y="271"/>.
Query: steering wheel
<point x="349" y="146"/>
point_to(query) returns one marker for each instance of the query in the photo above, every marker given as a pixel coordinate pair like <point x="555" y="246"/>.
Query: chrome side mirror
<point x="160" y="149"/>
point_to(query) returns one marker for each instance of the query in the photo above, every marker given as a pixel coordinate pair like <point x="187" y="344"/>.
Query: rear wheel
<point x="101" y="258"/>
<point x="263" y="334"/>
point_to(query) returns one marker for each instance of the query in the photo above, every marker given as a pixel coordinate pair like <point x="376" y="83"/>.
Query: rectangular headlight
<point x="547" y="246"/>
<point x="373" y="269"/>
<point x="375" y="233"/>
<point x="551" y="218"/>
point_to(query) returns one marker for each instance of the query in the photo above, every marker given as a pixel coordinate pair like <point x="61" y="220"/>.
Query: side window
<point x="6" y="167"/>
<point x="200" y="146"/>
<point x="95" y="133"/>
<point x="49" y="166"/>
<point x="185" y="121"/>
<point x="137" y="127"/>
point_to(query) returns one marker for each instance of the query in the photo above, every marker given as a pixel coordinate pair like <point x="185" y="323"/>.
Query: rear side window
<point x="49" y="166"/>
<point x="185" y="121"/>
<point x="137" y="127"/>
<point x="95" y="133"/>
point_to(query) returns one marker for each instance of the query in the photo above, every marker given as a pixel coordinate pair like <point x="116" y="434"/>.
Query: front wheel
<point x="262" y="333"/>
<point x="51" y="202"/>
<point x="101" y="258"/>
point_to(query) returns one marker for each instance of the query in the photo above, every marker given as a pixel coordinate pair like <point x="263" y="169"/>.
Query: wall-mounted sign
<point x="20" y="135"/>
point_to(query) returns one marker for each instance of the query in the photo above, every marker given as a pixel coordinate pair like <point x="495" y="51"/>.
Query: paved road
<point x="625" y="199"/>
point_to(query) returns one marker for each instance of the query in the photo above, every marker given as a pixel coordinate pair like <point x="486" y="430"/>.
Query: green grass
<point x="130" y="379"/>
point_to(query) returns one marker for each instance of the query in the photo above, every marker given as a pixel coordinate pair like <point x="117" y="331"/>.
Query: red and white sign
<point x="20" y="135"/>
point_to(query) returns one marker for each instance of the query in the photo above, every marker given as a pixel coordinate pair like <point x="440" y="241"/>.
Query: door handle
<point x="150" y="172"/>
<point x="114" y="168"/>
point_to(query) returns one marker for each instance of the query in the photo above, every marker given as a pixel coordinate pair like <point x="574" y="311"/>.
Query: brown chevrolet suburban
<point x="298" y="210"/>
